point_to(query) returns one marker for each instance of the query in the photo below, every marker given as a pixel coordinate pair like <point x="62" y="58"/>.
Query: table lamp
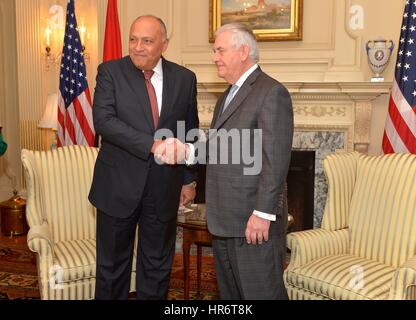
<point x="50" y="116"/>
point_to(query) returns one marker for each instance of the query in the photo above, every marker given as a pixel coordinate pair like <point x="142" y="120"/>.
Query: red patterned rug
<point x="18" y="276"/>
<point x="208" y="280"/>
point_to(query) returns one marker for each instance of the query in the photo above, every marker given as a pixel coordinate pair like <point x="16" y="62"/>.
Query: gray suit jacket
<point x="261" y="103"/>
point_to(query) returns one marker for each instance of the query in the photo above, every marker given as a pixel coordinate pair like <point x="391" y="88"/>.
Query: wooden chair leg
<point x="186" y="250"/>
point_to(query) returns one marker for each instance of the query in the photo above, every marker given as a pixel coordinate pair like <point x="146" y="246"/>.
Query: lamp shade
<point x="50" y="116"/>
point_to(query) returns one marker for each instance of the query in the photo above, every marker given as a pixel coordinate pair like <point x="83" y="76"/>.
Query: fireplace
<point x="300" y="189"/>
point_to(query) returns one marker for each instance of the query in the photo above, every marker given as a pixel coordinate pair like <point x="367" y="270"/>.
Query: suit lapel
<point x="218" y="107"/>
<point x="136" y="81"/>
<point x="167" y="93"/>
<point x="238" y="98"/>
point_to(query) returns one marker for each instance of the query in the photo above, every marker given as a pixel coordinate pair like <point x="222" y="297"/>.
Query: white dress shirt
<point x="244" y="77"/>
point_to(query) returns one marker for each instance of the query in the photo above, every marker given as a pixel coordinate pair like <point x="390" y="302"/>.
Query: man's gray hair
<point x="242" y="35"/>
<point x="162" y="24"/>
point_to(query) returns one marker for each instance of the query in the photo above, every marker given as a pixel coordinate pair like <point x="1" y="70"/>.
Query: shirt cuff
<point x="263" y="215"/>
<point x="191" y="158"/>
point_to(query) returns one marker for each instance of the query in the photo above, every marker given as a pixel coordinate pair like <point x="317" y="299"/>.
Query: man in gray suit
<point x="244" y="204"/>
<point x="244" y="212"/>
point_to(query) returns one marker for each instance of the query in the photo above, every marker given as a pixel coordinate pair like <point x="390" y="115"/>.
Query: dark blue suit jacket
<point x="123" y="119"/>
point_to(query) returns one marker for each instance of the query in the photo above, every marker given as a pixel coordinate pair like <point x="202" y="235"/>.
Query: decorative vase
<point x="379" y="52"/>
<point x="13" y="216"/>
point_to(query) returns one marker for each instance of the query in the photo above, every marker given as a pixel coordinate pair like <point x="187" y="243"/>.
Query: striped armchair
<point x="62" y="221"/>
<point x="366" y="247"/>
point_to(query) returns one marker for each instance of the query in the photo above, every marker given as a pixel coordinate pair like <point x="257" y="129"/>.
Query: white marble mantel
<point x="318" y="106"/>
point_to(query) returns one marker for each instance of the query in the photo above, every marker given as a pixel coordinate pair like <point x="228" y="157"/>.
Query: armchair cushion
<point x="77" y="259"/>
<point x="343" y="276"/>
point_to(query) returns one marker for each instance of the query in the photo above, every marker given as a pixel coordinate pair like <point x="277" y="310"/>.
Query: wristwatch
<point x="192" y="184"/>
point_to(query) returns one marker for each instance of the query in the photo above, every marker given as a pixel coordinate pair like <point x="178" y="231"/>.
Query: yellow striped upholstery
<point x="65" y="175"/>
<point x="340" y="172"/>
<point x="343" y="276"/>
<point x="295" y="293"/>
<point x="366" y="248"/>
<point x="404" y="281"/>
<point x="62" y="220"/>
<point x="383" y="209"/>
<point x="313" y="244"/>
<point x="77" y="258"/>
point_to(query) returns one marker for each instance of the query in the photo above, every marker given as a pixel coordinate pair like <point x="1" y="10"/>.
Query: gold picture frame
<point x="271" y="20"/>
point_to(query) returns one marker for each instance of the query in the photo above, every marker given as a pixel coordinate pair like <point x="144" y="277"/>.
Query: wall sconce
<point x="54" y="36"/>
<point x="51" y="57"/>
<point x="85" y="37"/>
<point x="49" y="119"/>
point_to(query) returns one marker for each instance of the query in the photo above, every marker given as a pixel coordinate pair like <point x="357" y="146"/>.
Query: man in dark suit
<point x="244" y="204"/>
<point x="134" y="97"/>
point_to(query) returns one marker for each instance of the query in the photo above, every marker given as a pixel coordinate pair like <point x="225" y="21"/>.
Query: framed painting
<point x="271" y="20"/>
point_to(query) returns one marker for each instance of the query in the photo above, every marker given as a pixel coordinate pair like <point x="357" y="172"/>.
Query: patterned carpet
<point x="208" y="280"/>
<point x="18" y="276"/>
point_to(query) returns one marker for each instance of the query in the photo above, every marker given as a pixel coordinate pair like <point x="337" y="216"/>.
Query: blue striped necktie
<point x="230" y="97"/>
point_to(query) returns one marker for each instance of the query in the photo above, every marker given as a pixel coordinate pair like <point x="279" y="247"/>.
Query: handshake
<point x="170" y="151"/>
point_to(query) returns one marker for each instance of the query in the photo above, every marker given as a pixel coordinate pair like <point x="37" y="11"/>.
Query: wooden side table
<point x="194" y="232"/>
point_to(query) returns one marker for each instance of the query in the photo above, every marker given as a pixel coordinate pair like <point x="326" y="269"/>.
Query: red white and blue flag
<point x="400" y="130"/>
<point x="75" y="125"/>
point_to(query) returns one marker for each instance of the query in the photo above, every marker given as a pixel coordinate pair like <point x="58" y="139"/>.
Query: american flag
<point x="400" y="131"/>
<point x="75" y="125"/>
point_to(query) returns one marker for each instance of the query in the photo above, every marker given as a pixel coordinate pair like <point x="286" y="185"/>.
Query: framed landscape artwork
<point x="271" y="20"/>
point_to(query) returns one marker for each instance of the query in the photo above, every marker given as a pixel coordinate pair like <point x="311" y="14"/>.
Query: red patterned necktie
<point x="152" y="96"/>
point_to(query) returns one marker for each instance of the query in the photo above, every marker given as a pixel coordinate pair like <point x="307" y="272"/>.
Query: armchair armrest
<point x="308" y="245"/>
<point x="40" y="234"/>
<point x="39" y="240"/>
<point x="404" y="281"/>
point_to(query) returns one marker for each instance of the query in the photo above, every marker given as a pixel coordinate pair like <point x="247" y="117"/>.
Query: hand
<point x="257" y="230"/>
<point x="170" y="151"/>
<point x="188" y="194"/>
<point x="175" y="151"/>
